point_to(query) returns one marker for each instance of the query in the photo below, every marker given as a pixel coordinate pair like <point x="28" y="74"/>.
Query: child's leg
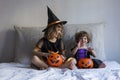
<point x="98" y="63"/>
<point x="70" y="63"/>
<point x="39" y="63"/>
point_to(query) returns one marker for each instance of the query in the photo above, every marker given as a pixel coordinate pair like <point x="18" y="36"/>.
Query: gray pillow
<point x="27" y="37"/>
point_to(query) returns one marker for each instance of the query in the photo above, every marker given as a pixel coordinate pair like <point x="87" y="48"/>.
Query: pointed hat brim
<point x="54" y="23"/>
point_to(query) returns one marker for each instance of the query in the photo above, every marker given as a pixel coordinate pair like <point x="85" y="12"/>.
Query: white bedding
<point x="16" y="71"/>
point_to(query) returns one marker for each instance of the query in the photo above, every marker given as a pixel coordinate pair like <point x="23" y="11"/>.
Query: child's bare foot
<point x="72" y="66"/>
<point x="102" y="65"/>
<point x="70" y="63"/>
<point x="42" y="68"/>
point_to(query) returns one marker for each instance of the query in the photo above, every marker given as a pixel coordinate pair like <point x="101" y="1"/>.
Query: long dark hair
<point x="81" y="34"/>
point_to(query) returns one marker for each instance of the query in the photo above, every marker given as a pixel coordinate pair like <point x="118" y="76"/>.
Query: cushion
<point x="27" y="37"/>
<point x="96" y="31"/>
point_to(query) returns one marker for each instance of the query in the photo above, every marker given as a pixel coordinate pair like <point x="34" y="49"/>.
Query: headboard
<point x="26" y="38"/>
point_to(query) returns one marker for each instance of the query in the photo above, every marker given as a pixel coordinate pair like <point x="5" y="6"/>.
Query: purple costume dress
<point x="81" y="53"/>
<point x="84" y="53"/>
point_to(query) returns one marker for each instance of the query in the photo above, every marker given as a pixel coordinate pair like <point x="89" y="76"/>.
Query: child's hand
<point x="79" y="44"/>
<point x="90" y="49"/>
<point x="63" y="58"/>
<point x="47" y="54"/>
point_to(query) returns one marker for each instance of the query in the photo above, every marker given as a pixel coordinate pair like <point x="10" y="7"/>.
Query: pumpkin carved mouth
<point x="54" y="61"/>
<point x="86" y="67"/>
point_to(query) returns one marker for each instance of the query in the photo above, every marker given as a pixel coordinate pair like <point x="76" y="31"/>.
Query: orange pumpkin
<point x="55" y="59"/>
<point x="85" y="63"/>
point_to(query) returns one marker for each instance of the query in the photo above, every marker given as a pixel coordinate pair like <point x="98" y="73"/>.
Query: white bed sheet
<point x="16" y="71"/>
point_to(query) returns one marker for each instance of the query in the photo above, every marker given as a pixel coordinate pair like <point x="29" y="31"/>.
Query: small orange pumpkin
<point x="85" y="63"/>
<point x="55" y="59"/>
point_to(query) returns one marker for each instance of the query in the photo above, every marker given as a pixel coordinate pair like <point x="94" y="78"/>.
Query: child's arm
<point x="74" y="50"/>
<point x="92" y="51"/>
<point x="63" y="50"/>
<point x="37" y="50"/>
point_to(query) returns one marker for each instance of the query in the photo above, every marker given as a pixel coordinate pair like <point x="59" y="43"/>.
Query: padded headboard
<point x="26" y="38"/>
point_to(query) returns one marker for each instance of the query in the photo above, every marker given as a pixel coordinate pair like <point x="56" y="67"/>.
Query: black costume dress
<point x="49" y="46"/>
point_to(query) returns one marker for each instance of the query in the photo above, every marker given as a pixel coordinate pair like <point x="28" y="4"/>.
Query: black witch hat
<point x="52" y="19"/>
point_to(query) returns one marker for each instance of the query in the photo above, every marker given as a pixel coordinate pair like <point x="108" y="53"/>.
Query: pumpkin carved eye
<point x="85" y="63"/>
<point x="82" y="62"/>
<point x="88" y="62"/>
<point x="51" y="56"/>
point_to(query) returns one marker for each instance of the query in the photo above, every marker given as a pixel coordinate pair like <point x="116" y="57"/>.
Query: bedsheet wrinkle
<point x="16" y="71"/>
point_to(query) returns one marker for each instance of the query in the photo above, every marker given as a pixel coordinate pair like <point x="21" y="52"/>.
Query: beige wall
<point x="34" y="13"/>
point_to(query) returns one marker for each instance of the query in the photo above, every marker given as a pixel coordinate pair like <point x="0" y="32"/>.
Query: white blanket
<point x="16" y="71"/>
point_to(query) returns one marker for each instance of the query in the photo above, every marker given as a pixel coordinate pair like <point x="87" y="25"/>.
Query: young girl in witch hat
<point x="52" y="41"/>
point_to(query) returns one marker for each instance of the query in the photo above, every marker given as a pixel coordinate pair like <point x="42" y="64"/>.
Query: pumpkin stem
<point x="52" y="51"/>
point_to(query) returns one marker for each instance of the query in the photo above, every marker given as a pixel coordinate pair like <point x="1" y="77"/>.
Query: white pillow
<point x="27" y="37"/>
<point x="96" y="31"/>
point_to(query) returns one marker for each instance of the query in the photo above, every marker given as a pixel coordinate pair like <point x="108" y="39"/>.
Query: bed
<point x="17" y="71"/>
<point x="27" y="36"/>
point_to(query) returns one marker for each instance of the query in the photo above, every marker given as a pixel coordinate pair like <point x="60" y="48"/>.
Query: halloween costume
<point x="47" y="45"/>
<point x="84" y="53"/>
<point x="52" y="19"/>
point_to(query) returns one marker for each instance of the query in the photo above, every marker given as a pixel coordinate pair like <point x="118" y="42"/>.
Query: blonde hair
<point x="81" y="34"/>
<point x="49" y="33"/>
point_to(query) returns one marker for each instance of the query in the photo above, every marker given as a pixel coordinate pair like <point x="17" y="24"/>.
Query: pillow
<point x="96" y="31"/>
<point x="27" y="37"/>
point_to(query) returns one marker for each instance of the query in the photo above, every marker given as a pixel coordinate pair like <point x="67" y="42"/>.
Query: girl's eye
<point x="85" y="38"/>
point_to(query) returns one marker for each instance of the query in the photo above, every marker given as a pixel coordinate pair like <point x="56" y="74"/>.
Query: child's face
<point x="83" y="40"/>
<point x="58" y="31"/>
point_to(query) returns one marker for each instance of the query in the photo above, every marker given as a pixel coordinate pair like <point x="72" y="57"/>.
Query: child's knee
<point x="72" y="60"/>
<point x="34" y="59"/>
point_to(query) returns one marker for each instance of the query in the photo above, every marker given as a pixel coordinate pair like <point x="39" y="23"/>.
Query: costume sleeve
<point x="39" y="43"/>
<point x="89" y="54"/>
<point x="62" y="47"/>
<point x="73" y="47"/>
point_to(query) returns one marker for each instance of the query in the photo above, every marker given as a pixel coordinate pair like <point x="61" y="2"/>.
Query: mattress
<point x="17" y="71"/>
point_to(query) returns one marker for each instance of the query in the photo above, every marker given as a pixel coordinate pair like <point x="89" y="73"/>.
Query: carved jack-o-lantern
<point x="85" y="63"/>
<point x="55" y="59"/>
